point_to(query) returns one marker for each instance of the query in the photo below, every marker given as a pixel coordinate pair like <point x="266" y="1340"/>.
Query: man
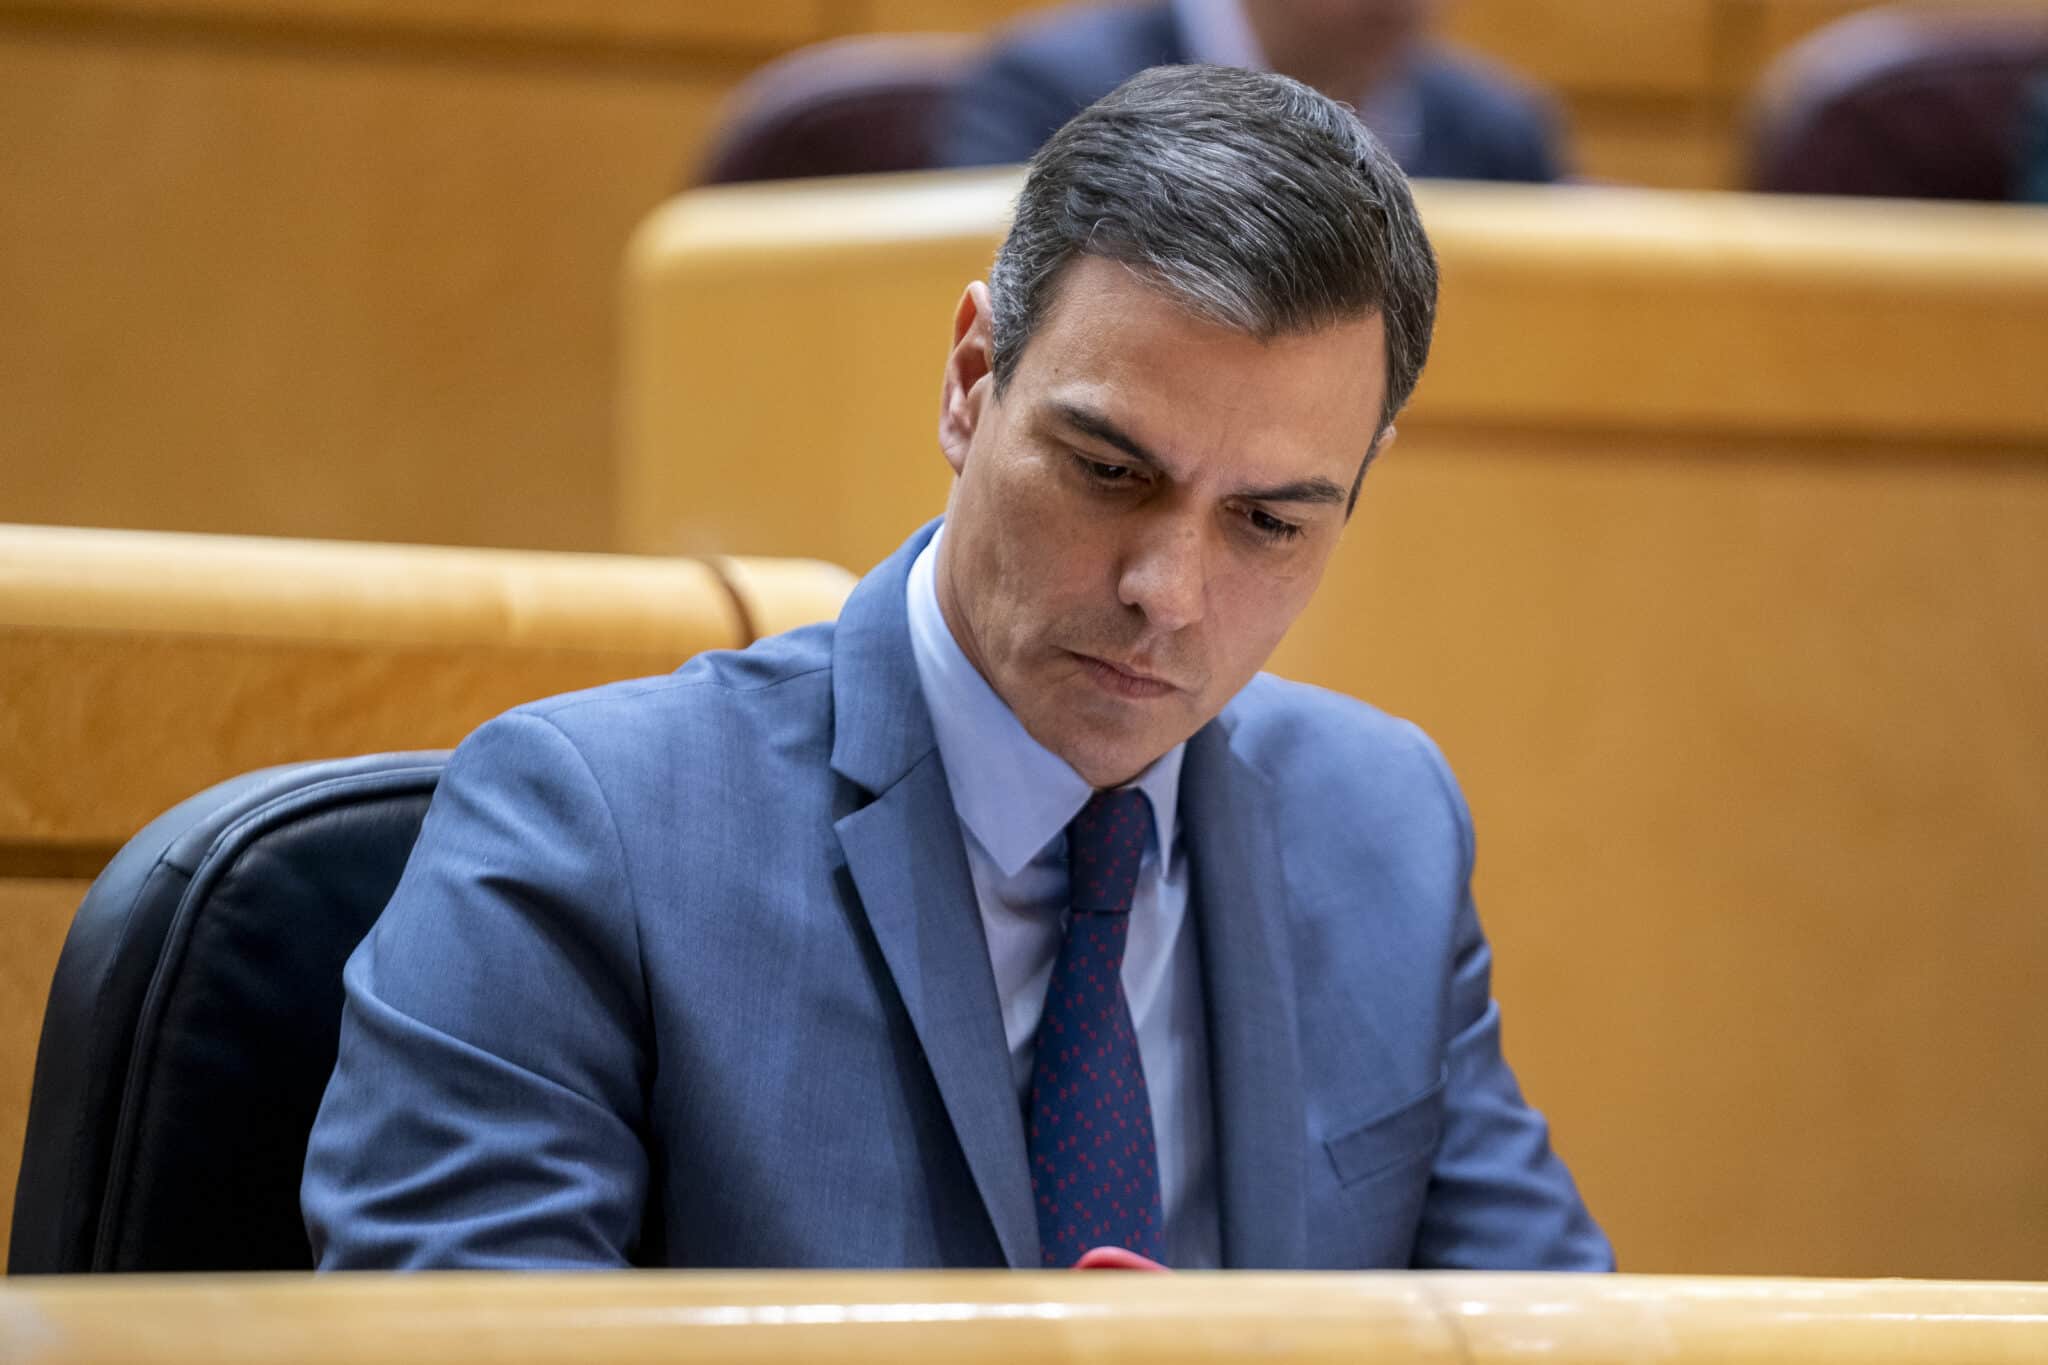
<point x="1011" y="915"/>
<point x="1442" y="114"/>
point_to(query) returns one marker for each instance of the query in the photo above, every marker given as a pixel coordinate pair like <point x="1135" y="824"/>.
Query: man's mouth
<point x="1124" y="680"/>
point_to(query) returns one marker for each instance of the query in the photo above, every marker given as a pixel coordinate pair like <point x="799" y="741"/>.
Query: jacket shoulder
<point x="1326" y="752"/>
<point x="777" y="691"/>
<point x="1277" y="719"/>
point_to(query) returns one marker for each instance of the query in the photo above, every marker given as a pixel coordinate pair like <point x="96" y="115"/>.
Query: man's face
<point x="1146" y="509"/>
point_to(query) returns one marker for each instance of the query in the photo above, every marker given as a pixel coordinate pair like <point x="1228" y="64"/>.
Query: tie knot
<point x="1105" y="844"/>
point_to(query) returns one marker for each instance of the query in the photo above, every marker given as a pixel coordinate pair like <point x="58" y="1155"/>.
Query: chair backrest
<point x="1902" y="104"/>
<point x="852" y="106"/>
<point x="194" y="1018"/>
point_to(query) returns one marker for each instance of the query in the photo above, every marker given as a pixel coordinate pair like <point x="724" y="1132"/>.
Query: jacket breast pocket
<point x="1391" y="1139"/>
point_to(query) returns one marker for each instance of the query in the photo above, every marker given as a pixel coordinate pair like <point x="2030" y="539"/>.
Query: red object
<point x="1115" y="1258"/>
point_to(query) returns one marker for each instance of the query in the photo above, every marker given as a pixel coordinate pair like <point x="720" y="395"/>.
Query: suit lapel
<point x="905" y="854"/>
<point x="909" y="863"/>
<point x="1239" y="894"/>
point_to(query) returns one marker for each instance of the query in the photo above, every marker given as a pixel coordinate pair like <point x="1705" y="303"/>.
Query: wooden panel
<point x="1712" y="551"/>
<point x="1754" y="735"/>
<point x="1002" y="1317"/>
<point x="1680" y="312"/>
<point x="953" y="16"/>
<point x="1660" y="46"/>
<point x="757" y="24"/>
<point x="136" y="669"/>
<point x="293" y="289"/>
<point x="34" y="915"/>
<point x="1659" y="143"/>
<point x="1735" y="312"/>
<point x="345" y="268"/>
<point x="199" y="711"/>
<point x="892" y="252"/>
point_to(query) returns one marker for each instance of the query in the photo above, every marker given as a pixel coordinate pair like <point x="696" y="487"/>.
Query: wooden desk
<point x="1000" y="1317"/>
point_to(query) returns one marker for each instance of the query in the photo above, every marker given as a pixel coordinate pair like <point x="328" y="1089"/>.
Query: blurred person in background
<point x="2031" y="185"/>
<point x="1442" y="114"/>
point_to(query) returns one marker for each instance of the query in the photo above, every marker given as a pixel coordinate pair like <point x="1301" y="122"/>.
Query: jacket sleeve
<point x="487" y="1105"/>
<point x="1499" y="1197"/>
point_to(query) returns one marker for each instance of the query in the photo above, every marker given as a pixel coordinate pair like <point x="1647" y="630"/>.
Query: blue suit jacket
<point x="688" y="971"/>
<point x="1478" y="122"/>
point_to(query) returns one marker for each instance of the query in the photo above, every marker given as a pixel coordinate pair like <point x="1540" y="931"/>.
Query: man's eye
<point x="1104" y="473"/>
<point x="1270" y="526"/>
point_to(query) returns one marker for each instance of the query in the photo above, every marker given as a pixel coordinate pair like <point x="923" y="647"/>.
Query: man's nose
<point x="1164" y="575"/>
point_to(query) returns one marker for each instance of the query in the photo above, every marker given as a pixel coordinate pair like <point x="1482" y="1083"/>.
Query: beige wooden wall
<point x="338" y="268"/>
<point x="1713" y="552"/>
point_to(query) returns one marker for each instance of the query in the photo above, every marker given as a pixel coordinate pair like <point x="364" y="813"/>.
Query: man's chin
<point x="1106" y="761"/>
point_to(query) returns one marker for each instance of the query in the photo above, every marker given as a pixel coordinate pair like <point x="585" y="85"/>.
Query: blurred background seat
<point x="1901" y="103"/>
<point x="194" y="1019"/>
<point x="854" y="106"/>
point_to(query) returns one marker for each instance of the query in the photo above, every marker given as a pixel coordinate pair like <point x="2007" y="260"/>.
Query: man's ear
<point x="969" y="387"/>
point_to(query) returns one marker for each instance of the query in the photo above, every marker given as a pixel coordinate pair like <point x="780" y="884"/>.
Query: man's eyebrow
<point x="1092" y="423"/>
<point x="1089" y="422"/>
<point x="1316" y="490"/>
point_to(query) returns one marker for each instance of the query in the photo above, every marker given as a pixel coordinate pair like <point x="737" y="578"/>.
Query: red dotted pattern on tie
<point x="1088" y="1120"/>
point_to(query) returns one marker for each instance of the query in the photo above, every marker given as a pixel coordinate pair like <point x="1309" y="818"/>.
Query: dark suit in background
<point x="1475" y="122"/>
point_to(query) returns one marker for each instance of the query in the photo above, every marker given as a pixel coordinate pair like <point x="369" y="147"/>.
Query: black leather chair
<point x="193" y="1020"/>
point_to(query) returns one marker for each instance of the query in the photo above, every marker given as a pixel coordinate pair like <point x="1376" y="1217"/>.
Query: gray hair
<point x="1256" y="202"/>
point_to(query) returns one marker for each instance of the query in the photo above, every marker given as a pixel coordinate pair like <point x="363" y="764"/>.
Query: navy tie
<point x="1088" y="1121"/>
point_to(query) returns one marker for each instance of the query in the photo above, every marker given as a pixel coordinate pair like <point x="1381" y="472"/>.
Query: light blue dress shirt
<point x="1015" y="798"/>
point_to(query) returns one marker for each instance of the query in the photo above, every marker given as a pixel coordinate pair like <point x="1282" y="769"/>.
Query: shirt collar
<point x="1014" y="795"/>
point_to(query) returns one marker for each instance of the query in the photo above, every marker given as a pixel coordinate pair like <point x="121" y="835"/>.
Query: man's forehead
<point x="1087" y="278"/>
<point x="1105" y="317"/>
